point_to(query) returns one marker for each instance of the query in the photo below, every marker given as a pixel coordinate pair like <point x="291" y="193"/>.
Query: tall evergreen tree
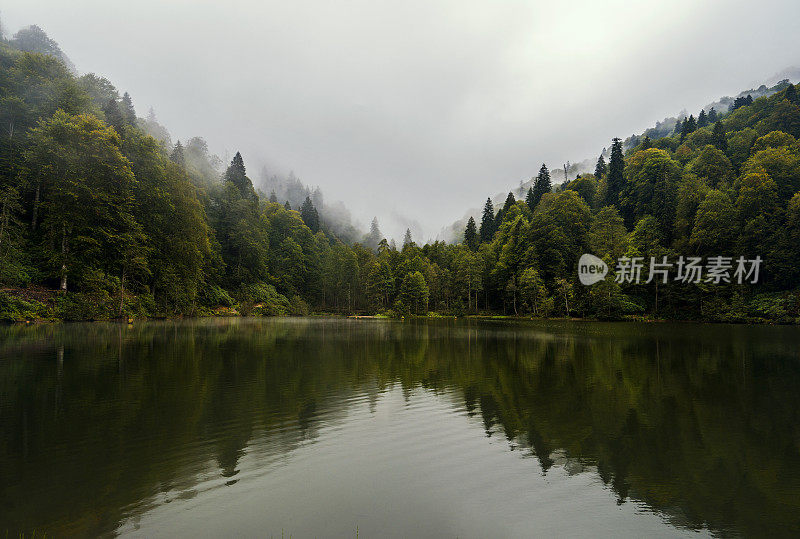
<point x="702" y="119"/>
<point x="114" y="116"/>
<point x="407" y="239"/>
<point x="177" y="154"/>
<point x="309" y="215"/>
<point x="287" y="205"/>
<point x="128" y="112"/>
<point x="529" y="199"/>
<point x="471" y="235"/>
<point x="689" y="126"/>
<point x="616" y="168"/>
<point x="273" y="198"/>
<point x="374" y="237"/>
<point x="541" y="185"/>
<point x="600" y="167"/>
<point x="498" y="220"/>
<point x="679" y="126"/>
<point x="712" y="115"/>
<point x="237" y="175"/>
<point x="486" y="231"/>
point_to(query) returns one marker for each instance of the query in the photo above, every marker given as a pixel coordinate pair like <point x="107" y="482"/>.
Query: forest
<point x="101" y="217"/>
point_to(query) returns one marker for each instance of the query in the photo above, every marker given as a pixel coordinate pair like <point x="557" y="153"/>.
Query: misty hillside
<point x="103" y="215"/>
<point x="663" y="128"/>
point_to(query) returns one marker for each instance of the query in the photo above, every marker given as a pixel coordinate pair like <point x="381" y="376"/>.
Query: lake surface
<point x="335" y="427"/>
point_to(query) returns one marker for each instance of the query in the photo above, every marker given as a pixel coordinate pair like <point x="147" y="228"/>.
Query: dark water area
<point x="332" y="427"/>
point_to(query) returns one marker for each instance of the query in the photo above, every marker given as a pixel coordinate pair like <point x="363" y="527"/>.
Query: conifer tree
<point x="529" y="199"/>
<point x="309" y="215"/>
<point x="407" y="240"/>
<point x="374" y="237"/>
<point x="471" y="235"/>
<point x="177" y="154"/>
<point x="689" y="126"/>
<point x="486" y="231"/>
<point x="702" y="119"/>
<point x="273" y="197"/>
<point x="114" y="116"/>
<point x="541" y="185"/>
<point x="616" y="167"/>
<point x="679" y="126"/>
<point x="712" y="115"/>
<point x="646" y="143"/>
<point x="498" y="220"/>
<point x="236" y="175"/>
<point x="600" y="167"/>
<point x="287" y="205"/>
<point x="128" y="112"/>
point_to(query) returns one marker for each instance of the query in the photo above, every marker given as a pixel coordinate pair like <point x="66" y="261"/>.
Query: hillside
<point x="102" y="216"/>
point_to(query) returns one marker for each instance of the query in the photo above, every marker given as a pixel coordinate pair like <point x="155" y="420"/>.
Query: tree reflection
<point x="98" y="420"/>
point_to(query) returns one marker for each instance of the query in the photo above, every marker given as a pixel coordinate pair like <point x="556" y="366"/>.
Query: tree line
<point x="96" y="205"/>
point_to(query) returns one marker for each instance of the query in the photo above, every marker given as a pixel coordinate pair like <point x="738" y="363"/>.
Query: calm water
<point x="322" y="427"/>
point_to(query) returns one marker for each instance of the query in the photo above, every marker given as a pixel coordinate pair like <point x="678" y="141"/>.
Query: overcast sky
<point x="417" y="109"/>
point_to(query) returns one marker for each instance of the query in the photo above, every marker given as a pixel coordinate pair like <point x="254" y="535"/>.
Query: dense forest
<point x="102" y="218"/>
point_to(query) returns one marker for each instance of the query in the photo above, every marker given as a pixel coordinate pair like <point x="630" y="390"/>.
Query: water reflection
<point x="101" y="423"/>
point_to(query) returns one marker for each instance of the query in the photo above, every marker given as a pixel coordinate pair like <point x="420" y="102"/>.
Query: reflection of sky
<point x="413" y="467"/>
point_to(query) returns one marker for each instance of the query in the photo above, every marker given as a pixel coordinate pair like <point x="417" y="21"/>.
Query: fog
<point x="416" y="111"/>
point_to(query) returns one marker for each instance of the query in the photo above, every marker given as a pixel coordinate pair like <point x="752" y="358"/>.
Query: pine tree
<point x="128" y="112"/>
<point x="374" y="237"/>
<point x="114" y="116"/>
<point x="646" y="143"/>
<point x="529" y="199"/>
<point x="679" y="125"/>
<point x="689" y="126"/>
<point x="471" y="235"/>
<point x="702" y="119"/>
<point x="712" y="116"/>
<point x="273" y="197"/>
<point x="600" y="167"/>
<point x="236" y="174"/>
<point x="616" y="168"/>
<point x="407" y="240"/>
<point x="498" y="220"/>
<point x="486" y="232"/>
<point x="541" y="185"/>
<point x="287" y="205"/>
<point x="177" y="154"/>
<point x="718" y="137"/>
<point x="309" y="215"/>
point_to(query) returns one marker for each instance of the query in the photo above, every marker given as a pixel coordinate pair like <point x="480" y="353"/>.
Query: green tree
<point x="309" y="215"/>
<point x="600" y="167"/>
<point x="88" y="208"/>
<point x="414" y="293"/>
<point x="128" y="112"/>
<point x="616" y="173"/>
<point x="541" y="185"/>
<point x="487" y="229"/>
<point x="471" y="239"/>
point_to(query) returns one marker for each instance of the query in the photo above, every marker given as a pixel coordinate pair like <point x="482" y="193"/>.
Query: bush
<point x="14" y="309"/>
<point x="298" y="307"/>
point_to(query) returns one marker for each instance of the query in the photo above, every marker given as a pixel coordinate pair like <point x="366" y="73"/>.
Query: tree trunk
<point x="35" y="212"/>
<point x="122" y="292"/>
<point x="63" y="286"/>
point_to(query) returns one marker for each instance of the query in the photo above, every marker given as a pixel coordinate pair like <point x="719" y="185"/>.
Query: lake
<point x="381" y="428"/>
